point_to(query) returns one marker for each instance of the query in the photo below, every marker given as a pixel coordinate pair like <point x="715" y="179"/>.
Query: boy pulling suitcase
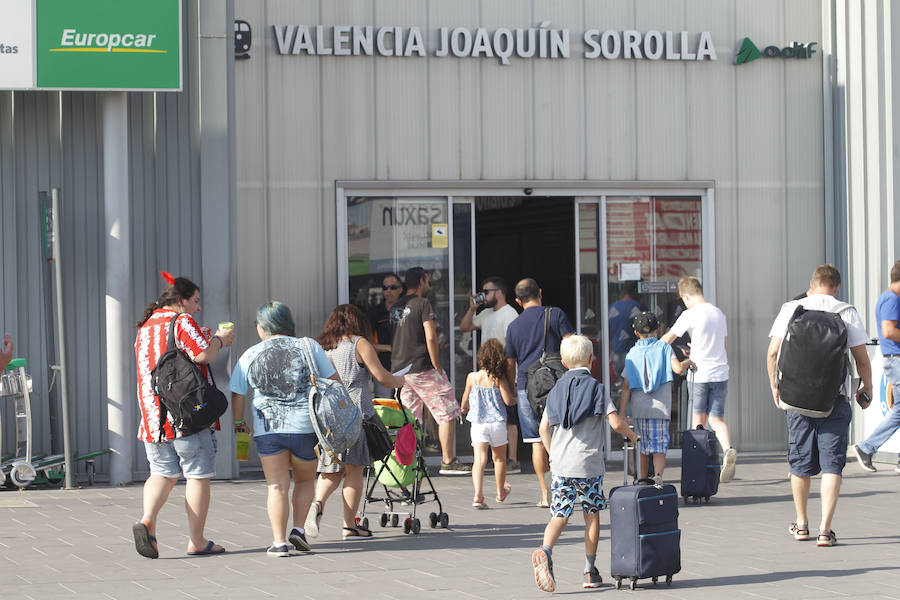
<point x="571" y="430"/>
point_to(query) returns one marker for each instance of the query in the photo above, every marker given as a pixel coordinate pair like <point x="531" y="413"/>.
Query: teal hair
<point x="275" y="318"/>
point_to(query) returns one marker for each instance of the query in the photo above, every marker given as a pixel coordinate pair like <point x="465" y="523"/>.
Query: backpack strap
<point x="307" y="354"/>
<point x="839" y="308"/>
<point x="163" y="411"/>
<point x="547" y="311"/>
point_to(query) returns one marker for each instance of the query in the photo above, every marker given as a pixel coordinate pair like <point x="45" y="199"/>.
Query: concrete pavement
<point x="77" y="544"/>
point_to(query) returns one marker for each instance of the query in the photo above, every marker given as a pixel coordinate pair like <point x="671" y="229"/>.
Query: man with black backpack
<point x="809" y="374"/>
<point x="533" y="335"/>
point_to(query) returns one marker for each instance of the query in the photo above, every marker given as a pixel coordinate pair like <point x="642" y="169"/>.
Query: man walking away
<point x="493" y="322"/>
<point x="524" y="339"/>
<point x="887" y="315"/>
<point x="819" y="445"/>
<point x="705" y="324"/>
<point x="415" y="345"/>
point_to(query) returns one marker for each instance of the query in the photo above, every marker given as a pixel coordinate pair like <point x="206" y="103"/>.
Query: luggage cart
<point x="16" y="384"/>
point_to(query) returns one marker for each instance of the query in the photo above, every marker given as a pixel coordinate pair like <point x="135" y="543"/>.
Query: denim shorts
<point x="709" y="398"/>
<point x="528" y="422"/>
<point x="301" y="445"/>
<point x="819" y="445"/>
<point x="194" y="455"/>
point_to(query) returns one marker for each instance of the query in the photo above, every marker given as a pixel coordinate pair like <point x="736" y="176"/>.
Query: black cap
<point x="646" y="322"/>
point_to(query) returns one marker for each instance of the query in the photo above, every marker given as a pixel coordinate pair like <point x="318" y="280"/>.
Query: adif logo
<point x="7" y="49"/>
<point x="74" y="41"/>
<point x="749" y="52"/>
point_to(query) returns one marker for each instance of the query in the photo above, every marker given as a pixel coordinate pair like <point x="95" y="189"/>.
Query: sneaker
<point x="454" y="467"/>
<point x="312" y="519"/>
<point x="408" y="499"/>
<point x="513" y="467"/>
<point x="592" y="580"/>
<point x="278" y="551"/>
<point x="800" y="534"/>
<point x="543" y="570"/>
<point x="897" y="468"/>
<point x="826" y="538"/>
<point x="298" y="539"/>
<point x="727" y="473"/>
<point x="657" y="479"/>
<point x="865" y="460"/>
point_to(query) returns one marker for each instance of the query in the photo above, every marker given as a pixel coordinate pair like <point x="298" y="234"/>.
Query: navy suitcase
<point x="644" y="536"/>
<point x="700" y="465"/>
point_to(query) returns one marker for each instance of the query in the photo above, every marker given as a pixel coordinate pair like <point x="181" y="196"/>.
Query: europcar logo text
<point x="749" y="52"/>
<point x="73" y="40"/>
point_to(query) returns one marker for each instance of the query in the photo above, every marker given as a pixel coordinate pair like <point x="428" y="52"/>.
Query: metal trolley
<point x="16" y="384"/>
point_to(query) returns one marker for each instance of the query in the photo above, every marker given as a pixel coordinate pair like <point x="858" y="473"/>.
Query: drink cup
<point x="225" y="326"/>
<point x="242" y="445"/>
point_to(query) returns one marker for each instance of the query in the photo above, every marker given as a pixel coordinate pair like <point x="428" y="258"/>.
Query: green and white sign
<point x="108" y="44"/>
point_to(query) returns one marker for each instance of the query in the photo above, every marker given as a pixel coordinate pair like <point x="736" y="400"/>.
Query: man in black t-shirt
<point x="415" y="346"/>
<point x="382" y="330"/>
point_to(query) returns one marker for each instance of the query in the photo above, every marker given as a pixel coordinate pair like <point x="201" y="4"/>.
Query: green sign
<point x="748" y="52"/>
<point x="109" y="44"/>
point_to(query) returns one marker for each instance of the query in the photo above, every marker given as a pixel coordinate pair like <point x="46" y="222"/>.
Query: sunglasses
<point x="391" y="287"/>
<point x="489" y="290"/>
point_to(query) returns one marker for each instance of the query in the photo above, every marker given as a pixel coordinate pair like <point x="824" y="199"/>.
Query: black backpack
<point x="543" y="373"/>
<point x="184" y="391"/>
<point x="812" y="361"/>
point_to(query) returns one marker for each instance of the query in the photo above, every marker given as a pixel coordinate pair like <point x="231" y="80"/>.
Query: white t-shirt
<point x="706" y="325"/>
<point x="856" y="333"/>
<point x="493" y="323"/>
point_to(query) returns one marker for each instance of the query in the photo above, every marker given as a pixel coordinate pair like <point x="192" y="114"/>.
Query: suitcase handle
<point x="627" y="451"/>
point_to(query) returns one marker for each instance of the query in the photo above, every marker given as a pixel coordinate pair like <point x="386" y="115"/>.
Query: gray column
<point x="119" y="329"/>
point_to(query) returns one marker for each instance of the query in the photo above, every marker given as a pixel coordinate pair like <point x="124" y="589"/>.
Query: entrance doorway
<point x="518" y="237"/>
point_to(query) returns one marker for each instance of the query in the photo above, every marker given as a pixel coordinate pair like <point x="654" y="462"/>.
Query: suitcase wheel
<point x="669" y="580"/>
<point x="654" y="581"/>
<point x="618" y="583"/>
<point x="634" y="583"/>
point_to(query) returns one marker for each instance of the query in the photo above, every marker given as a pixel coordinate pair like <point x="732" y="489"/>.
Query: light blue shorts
<point x="194" y="455"/>
<point x="709" y="398"/>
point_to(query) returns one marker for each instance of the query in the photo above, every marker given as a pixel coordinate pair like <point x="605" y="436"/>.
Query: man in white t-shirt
<point x="493" y="321"/>
<point x="709" y="385"/>
<point x="819" y="445"/>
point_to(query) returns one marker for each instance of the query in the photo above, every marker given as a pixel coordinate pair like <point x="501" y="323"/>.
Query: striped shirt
<point x="148" y="347"/>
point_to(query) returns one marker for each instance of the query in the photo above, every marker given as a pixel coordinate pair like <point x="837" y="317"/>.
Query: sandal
<point x="478" y="503"/>
<point x="542" y="504"/>
<point x="357" y="533"/>
<point x="506" y="490"/>
<point x="313" y="518"/>
<point x="800" y="533"/>
<point x="826" y="538"/>
<point x="144" y="543"/>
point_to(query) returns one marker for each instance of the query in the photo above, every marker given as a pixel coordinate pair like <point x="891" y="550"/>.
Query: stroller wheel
<point x="445" y="520"/>
<point x="395" y="520"/>
<point x="407" y="525"/>
<point x="384" y="519"/>
<point x="365" y="522"/>
<point x="416" y="526"/>
<point x="433" y="520"/>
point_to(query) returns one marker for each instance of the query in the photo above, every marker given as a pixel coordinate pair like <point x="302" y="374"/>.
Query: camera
<point x="528" y="191"/>
<point x="479" y="298"/>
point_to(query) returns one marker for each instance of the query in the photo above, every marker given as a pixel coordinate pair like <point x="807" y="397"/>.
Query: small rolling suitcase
<point x="644" y="536"/>
<point x="700" y="465"/>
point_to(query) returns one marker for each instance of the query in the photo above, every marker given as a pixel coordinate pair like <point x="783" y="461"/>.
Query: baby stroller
<point x="400" y="481"/>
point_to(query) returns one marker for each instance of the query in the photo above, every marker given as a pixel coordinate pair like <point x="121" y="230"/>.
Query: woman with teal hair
<point x="276" y="372"/>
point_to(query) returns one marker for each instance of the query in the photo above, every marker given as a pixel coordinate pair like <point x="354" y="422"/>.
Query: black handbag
<point x="377" y="438"/>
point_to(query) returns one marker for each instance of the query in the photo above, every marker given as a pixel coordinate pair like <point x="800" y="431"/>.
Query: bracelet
<point x="239" y="421"/>
<point x="221" y="343"/>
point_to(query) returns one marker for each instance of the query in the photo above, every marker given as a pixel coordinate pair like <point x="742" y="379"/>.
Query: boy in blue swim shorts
<point x="571" y="430"/>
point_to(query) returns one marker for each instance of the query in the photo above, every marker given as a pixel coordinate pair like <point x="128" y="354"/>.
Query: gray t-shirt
<point x="655" y="405"/>
<point x="578" y="452"/>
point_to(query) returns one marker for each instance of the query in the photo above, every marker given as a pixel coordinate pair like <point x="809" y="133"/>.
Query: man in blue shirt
<point x="887" y="315"/>
<point x="524" y="338"/>
<point x="621" y="314"/>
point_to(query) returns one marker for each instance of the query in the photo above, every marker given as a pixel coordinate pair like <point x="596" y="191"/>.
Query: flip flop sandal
<point x="478" y="503"/>
<point x="312" y="521"/>
<point x="355" y="533"/>
<point x="506" y="490"/>
<point x="210" y="549"/>
<point x="144" y="543"/>
<point x="542" y="504"/>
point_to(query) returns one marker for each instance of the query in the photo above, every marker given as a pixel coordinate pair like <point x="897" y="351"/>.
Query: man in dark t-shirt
<point x="524" y="338"/>
<point x="415" y="346"/>
<point x="382" y="330"/>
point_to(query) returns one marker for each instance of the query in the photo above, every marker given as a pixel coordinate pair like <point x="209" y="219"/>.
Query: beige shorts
<point x="432" y="389"/>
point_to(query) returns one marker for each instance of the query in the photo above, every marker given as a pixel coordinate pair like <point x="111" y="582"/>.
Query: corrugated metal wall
<point x="756" y="130"/>
<point x="52" y="139"/>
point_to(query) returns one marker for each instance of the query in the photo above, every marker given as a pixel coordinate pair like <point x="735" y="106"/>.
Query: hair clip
<point x="168" y="277"/>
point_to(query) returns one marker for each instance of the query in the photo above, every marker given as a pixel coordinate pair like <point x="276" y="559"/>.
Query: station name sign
<point x="501" y="43"/>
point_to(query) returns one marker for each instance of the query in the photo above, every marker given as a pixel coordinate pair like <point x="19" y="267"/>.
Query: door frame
<point x="584" y="192"/>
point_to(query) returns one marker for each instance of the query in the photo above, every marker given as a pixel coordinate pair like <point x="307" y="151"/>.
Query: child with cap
<point x="576" y="408"/>
<point x="648" y="387"/>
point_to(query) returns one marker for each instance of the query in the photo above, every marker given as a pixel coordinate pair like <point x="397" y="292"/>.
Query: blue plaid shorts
<point x="566" y="490"/>
<point x="654" y="435"/>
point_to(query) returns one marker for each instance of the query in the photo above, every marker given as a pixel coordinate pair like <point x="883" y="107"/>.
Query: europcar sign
<point x="108" y="44"/>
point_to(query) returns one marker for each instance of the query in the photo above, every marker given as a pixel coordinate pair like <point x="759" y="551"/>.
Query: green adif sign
<point x="108" y="44"/>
